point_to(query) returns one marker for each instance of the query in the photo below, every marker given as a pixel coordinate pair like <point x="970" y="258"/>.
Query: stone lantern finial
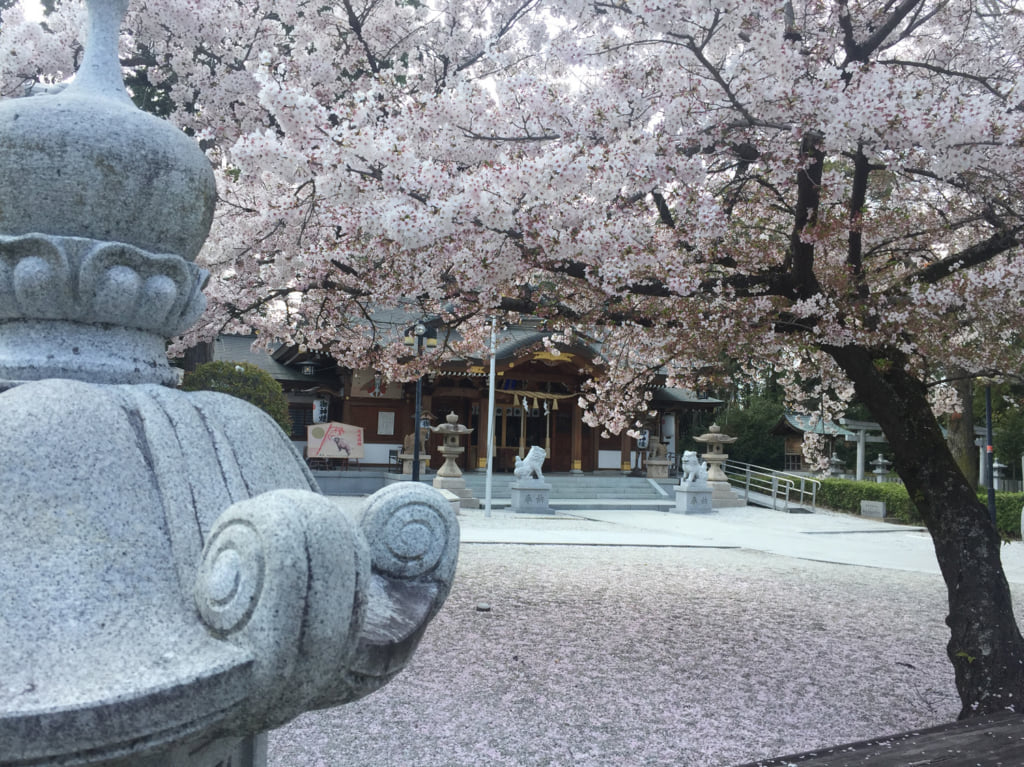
<point x="103" y="208"/>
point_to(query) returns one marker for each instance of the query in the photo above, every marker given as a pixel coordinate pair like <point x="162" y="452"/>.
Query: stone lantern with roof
<point x="449" y="476"/>
<point x="722" y="495"/>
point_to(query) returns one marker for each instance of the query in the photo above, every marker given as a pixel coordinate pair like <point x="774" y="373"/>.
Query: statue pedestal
<point x="657" y="468"/>
<point x="531" y="496"/>
<point x="407" y="460"/>
<point x="694" y="498"/>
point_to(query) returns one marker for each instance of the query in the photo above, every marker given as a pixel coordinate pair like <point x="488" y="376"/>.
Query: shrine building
<point x="535" y="403"/>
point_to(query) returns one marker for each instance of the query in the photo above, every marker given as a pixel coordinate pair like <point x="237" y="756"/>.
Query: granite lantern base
<point x="723" y="496"/>
<point x="531" y="497"/>
<point x="457" y="486"/>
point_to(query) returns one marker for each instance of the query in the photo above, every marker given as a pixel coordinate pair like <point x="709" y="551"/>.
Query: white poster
<point x="367" y="383"/>
<point x="334" y="440"/>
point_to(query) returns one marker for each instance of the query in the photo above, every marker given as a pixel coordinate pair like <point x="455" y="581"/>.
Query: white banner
<point x="334" y="440"/>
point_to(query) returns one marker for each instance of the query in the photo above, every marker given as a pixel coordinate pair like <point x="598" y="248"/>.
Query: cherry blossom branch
<point x="862" y="51"/>
<point x="991" y="373"/>
<point x="527" y="138"/>
<point x="945" y="71"/>
<point x="355" y="23"/>
<point x="515" y="15"/>
<point x="972" y="256"/>
<point x="800" y="258"/>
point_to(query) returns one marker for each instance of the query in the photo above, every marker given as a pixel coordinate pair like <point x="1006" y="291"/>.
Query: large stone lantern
<point x="173" y="581"/>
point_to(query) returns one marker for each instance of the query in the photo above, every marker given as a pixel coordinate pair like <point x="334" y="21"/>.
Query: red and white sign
<point x="334" y="440"/>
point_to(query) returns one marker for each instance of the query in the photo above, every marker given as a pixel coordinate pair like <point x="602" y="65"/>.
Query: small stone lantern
<point x="881" y="465"/>
<point x="451" y="448"/>
<point x="449" y="476"/>
<point x="715" y="456"/>
<point x="721" y="491"/>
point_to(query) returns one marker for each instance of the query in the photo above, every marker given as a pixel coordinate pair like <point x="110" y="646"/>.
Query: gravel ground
<point x="598" y="655"/>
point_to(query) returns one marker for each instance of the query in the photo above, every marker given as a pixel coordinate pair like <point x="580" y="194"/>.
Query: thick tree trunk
<point x="985" y="645"/>
<point x="960" y="434"/>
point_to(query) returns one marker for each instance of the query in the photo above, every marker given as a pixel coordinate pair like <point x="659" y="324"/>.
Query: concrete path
<point x="822" y="536"/>
<point x="663" y="640"/>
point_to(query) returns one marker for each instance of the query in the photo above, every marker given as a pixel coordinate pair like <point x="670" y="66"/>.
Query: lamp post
<point x="415" y="337"/>
<point x="990" y="454"/>
<point x="490" y="421"/>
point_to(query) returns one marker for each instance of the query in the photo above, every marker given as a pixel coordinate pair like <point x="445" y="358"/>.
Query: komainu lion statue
<point x="693" y="470"/>
<point x="530" y="467"/>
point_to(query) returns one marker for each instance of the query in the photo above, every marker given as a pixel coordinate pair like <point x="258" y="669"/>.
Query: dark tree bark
<point x="985" y="645"/>
<point x="960" y="433"/>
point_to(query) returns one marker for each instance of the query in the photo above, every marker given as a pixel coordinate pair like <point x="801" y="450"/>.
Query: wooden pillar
<point x="625" y="452"/>
<point x="522" y="429"/>
<point x="346" y="401"/>
<point x="576" y="467"/>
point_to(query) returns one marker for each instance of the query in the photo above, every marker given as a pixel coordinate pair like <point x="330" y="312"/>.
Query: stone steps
<point x="613" y="488"/>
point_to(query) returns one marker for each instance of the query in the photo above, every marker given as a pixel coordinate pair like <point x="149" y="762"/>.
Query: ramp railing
<point x="760" y="483"/>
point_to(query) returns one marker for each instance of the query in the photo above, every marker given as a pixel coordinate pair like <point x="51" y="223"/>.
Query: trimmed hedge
<point x="1008" y="508"/>
<point x="245" y="381"/>
<point x="846" y="494"/>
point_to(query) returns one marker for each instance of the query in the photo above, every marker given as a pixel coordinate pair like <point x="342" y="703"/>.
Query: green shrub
<point x="245" y="381"/>
<point x="845" y="495"/>
<point x="1008" y="506"/>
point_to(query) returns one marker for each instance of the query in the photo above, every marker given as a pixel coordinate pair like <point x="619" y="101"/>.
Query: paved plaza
<point x="644" y="638"/>
<point x="823" y="536"/>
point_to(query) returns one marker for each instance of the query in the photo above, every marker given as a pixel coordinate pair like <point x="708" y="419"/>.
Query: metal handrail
<point x="777" y="484"/>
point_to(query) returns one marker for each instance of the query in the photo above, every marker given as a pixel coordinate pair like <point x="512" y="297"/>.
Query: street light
<point x="990" y="454"/>
<point x="490" y="420"/>
<point x="415" y="337"/>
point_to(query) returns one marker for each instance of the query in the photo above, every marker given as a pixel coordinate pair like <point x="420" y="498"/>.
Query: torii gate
<point x="864" y="433"/>
<point x="869" y="431"/>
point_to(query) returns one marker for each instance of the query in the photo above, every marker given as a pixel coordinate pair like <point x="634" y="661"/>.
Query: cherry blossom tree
<point x="831" y="187"/>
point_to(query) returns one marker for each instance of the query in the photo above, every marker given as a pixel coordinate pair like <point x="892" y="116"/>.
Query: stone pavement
<point x="823" y="536"/>
<point x="661" y="640"/>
